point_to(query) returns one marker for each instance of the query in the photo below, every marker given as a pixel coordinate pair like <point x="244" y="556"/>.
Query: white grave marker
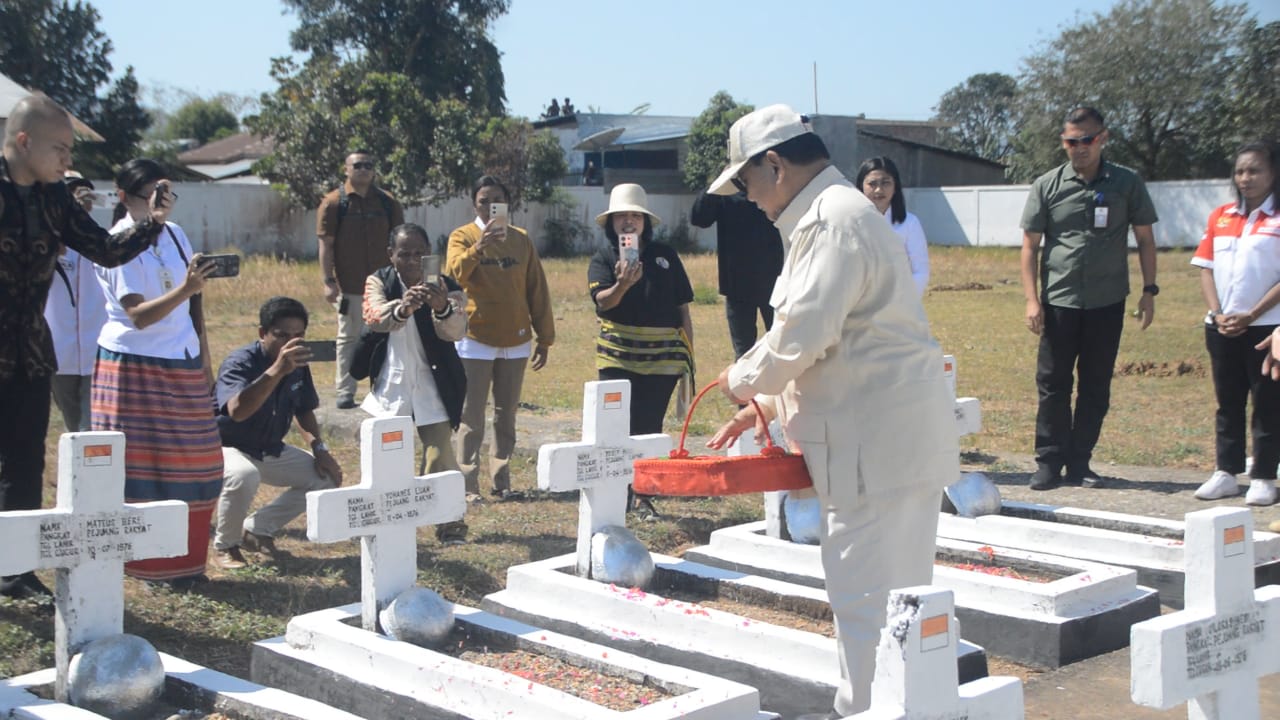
<point x="88" y="537"/>
<point x="916" y="676"/>
<point x="1211" y="654"/>
<point x="385" y="511"/>
<point x="600" y="466"/>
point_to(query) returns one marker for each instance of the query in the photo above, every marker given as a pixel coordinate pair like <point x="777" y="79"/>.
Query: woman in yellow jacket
<point x="509" y="325"/>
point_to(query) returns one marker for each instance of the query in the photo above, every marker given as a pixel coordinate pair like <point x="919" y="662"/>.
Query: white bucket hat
<point x="628" y="197"/>
<point x="754" y="133"/>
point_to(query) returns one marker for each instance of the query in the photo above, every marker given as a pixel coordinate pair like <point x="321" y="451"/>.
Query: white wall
<point x="256" y="219"/>
<point x="990" y="215"/>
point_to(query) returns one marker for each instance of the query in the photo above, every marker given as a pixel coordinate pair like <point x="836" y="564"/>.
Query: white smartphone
<point x="498" y="213"/>
<point x="431" y="269"/>
<point x="630" y="245"/>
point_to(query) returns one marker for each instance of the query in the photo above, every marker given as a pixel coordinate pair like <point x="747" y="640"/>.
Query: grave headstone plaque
<point x="1211" y="654"/>
<point x="600" y="465"/>
<point x="385" y="511"/>
<point x="88" y="538"/>
<point x="916" y="677"/>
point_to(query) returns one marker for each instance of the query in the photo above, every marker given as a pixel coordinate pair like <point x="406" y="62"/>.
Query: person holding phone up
<point x="509" y="325"/>
<point x="642" y="295"/>
<point x="152" y="380"/>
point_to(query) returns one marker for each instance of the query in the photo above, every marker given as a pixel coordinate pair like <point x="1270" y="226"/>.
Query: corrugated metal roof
<point x="639" y="129"/>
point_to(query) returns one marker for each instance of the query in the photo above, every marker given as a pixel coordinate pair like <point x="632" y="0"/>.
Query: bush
<point x="562" y="229"/>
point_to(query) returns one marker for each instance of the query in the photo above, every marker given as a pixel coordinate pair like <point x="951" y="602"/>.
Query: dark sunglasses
<point x="362" y="166"/>
<point x="737" y="182"/>
<point x="1086" y="140"/>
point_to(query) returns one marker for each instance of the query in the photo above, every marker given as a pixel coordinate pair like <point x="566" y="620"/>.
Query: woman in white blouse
<point x="152" y="378"/>
<point x="878" y="179"/>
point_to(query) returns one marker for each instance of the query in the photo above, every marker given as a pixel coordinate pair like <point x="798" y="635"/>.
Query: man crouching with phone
<point x="262" y="388"/>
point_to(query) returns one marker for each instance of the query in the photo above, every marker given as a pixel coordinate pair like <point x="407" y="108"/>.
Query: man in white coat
<point x="854" y="377"/>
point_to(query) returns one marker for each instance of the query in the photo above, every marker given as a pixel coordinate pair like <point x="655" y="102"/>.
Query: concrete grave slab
<point x="1085" y="611"/>
<point x="385" y="510"/>
<point x="324" y="655"/>
<point x="915" y="678"/>
<point x="795" y="671"/>
<point x="1152" y="546"/>
<point x="1212" y="654"/>
<point x="187" y="686"/>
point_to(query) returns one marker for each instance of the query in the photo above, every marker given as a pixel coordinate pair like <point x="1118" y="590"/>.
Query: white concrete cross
<point x="1211" y="654"/>
<point x="600" y="465"/>
<point x="88" y="537"/>
<point x="385" y="511"/>
<point x="916" y="676"/>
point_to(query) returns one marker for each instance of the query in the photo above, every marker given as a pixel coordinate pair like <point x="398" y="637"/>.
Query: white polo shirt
<point x="75" y="312"/>
<point x="172" y="337"/>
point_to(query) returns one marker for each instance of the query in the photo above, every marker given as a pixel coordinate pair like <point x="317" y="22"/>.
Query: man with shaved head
<point x="38" y="216"/>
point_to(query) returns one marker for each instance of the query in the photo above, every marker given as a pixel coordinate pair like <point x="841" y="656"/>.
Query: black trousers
<point x="1076" y="347"/>
<point x="24" y="421"/>
<point x="1237" y="375"/>
<point x="650" y="396"/>
<point x="741" y="315"/>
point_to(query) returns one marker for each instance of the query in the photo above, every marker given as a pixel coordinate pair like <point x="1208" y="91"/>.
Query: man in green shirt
<point x="1082" y="210"/>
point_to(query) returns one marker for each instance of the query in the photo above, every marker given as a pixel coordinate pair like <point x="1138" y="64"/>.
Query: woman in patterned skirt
<point x="152" y="380"/>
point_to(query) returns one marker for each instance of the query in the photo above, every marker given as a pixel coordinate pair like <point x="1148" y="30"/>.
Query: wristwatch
<point x="319" y="446"/>
<point x="1152" y="289"/>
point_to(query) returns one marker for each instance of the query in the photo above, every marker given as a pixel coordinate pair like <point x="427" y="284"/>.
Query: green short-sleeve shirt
<point x="1082" y="266"/>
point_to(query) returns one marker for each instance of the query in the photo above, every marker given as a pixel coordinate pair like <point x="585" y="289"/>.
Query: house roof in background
<point x="11" y="92"/>
<point x="230" y="149"/>
<point x="637" y="129"/>
<point x="927" y="146"/>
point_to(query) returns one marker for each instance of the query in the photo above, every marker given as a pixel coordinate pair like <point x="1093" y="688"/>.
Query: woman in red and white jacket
<point x="1239" y="261"/>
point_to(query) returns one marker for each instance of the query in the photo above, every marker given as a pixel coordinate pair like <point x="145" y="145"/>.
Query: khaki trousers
<point x="350" y="325"/>
<point x="506" y="377"/>
<point x="71" y="395"/>
<point x="242" y="474"/>
<point x="883" y="543"/>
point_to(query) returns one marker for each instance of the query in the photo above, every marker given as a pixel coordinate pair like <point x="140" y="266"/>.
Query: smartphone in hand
<point x="431" y="269"/>
<point x="629" y="243"/>
<point x="226" y="265"/>
<point x="321" y="350"/>
<point x="498" y="213"/>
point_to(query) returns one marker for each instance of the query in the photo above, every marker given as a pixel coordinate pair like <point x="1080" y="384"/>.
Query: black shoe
<point x="25" y="587"/>
<point x="1044" y="478"/>
<point x="507" y="495"/>
<point x="1085" y="477"/>
<point x="346" y="403"/>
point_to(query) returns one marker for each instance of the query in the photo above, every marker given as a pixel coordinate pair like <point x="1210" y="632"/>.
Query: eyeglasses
<point x="363" y="165"/>
<point x="1086" y="140"/>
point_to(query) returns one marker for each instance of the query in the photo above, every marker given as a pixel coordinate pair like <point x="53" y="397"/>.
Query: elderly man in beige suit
<point x="852" y="373"/>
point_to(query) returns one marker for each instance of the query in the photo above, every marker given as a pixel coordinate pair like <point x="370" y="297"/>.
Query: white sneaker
<point x="1261" y="492"/>
<point x="1219" y="485"/>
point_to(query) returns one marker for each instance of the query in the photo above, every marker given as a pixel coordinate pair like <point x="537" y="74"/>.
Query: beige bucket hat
<point x="628" y="197"/>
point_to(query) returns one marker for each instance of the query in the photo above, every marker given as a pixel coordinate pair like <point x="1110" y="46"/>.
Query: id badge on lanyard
<point x="1100" y="214"/>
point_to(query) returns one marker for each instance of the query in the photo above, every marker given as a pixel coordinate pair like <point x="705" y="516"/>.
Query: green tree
<point x="56" y="48"/>
<point x="442" y="45"/>
<point x="203" y="120"/>
<point x="709" y="140"/>
<point x="982" y="113"/>
<point x="1255" y="86"/>
<point x="1151" y="67"/>
<point x="547" y="166"/>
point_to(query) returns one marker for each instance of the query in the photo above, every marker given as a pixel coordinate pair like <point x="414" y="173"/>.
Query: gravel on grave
<point x="610" y="691"/>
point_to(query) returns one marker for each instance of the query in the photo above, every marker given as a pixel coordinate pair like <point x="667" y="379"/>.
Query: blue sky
<point x="885" y="59"/>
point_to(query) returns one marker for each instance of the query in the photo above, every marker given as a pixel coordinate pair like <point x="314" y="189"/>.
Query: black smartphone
<point x="321" y="350"/>
<point x="227" y="265"/>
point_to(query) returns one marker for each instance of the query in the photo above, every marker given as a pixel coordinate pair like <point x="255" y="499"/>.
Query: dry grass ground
<point x="1161" y="415"/>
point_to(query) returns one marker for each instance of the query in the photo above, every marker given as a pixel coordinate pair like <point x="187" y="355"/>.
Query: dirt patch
<point x="960" y="286"/>
<point x="772" y="610"/>
<point x="614" y="692"/>
<point x="1191" y="367"/>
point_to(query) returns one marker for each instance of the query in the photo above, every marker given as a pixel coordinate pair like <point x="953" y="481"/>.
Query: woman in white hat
<point x="642" y="297"/>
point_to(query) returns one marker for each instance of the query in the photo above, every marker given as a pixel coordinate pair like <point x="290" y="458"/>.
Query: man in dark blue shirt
<point x="262" y="388"/>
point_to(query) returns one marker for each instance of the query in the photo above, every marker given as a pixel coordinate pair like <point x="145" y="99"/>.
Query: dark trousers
<point x="741" y="315"/>
<point x="1076" y="347"/>
<point x="24" y="421"/>
<point x="1237" y="375"/>
<point x="650" y="396"/>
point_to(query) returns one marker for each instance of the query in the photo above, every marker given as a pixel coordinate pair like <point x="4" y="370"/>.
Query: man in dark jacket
<point x="38" y="217"/>
<point x="749" y="255"/>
